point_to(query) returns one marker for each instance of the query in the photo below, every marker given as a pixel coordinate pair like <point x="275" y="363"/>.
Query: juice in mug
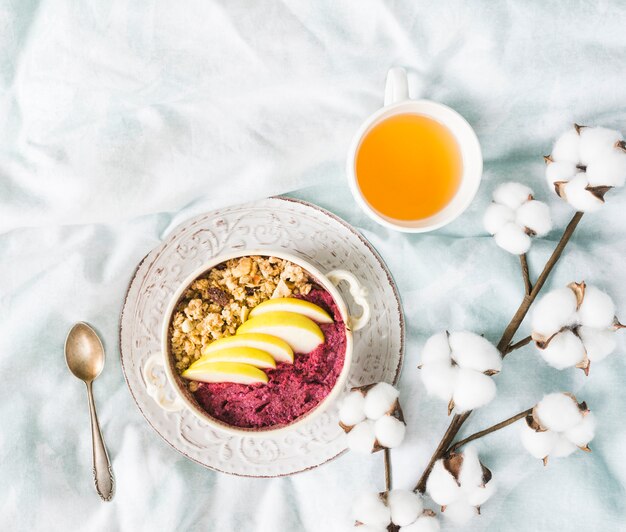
<point x="408" y="167"/>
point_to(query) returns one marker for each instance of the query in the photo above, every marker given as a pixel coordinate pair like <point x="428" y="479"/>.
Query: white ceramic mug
<point x="397" y="102"/>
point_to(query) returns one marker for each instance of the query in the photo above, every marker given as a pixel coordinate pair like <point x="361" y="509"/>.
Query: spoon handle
<point x="102" y="472"/>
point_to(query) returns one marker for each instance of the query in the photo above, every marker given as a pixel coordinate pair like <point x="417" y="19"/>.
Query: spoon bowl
<point x="84" y="352"/>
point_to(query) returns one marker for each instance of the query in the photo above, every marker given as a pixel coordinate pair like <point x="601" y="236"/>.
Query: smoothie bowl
<point x="258" y="342"/>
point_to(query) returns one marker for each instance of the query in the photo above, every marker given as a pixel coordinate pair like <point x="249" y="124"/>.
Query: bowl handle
<point x="359" y="294"/>
<point x="157" y="385"/>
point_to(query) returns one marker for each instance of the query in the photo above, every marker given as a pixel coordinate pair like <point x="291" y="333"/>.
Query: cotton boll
<point x="362" y="437"/>
<point x="595" y="142"/>
<point x="471" y="474"/>
<point x="565" y="350"/>
<point x="472" y="390"/>
<point x="558" y="412"/>
<point x="352" y="409"/>
<point x="436" y="348"/>
<point x="512" y="194"/>
<point x="472" y="351"/>
<point x="535" y="215"/>
<point x="379" y="400"/>
<point x="389" y="431"/>
<point x="597" y="309"/>
<point x="425" y="523"/>
<point x="439" y="379"/>
<point x="554" y="310"/>
<point x="581" y="434"/>
<point x="562" y="447"/>
<point x="460" y="512"/>
<point x="405" y="506"/>
<point x="538" y="444"/>
<point x="496" y="216"/>
<point x="608" y="170"/>
<point x="481" y="494"/>
<point x="513" y="238"/>
<point x="441" y="485"/>
<point x="560" y="171"/>
<point x="471" y="478"/>
<point x="370" y="509"/>
<point x="567" y="147"/>
<point x="577" y="195"/>
<point x="598" y="342"/>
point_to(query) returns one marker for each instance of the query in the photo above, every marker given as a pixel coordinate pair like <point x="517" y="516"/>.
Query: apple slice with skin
<point x="277" y="348"/>
<point x="292" y="304"/>
<point x="245" y="355"/>
<point x="301" y="333"/>
<point x="234" y="372"/>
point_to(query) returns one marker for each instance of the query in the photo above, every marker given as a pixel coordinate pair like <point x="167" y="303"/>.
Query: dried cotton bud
<point x="514" y="216"/>
<point x="362" y="438"/>
<point x="427" y="522"/>
<point x="460" y="484"/>
<point x="379" y="400"/>
<point x="401" y="509"/>
<point x="457" y="368"/>
<point x="586" y="162"/>
<point x="352" y="409"/>
<point x="405" y="507"/>
<point x="557" y="427"/>
<point x="370" y="509"/>
<point x="574" y="326"/>
<point x="389" y="431"/>
<point x="372" y="418"/>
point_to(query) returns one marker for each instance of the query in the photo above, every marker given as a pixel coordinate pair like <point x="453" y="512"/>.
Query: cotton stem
<point x="518" y="345"/>
<point x="489" y="430"/>
<point x="387" y="460"/>
<point x="525" y="273"/>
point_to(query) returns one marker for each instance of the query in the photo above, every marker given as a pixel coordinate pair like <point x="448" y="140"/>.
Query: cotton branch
<point x="517" y="345"/>
<point x="491" y="429"/>
<point x="525" y="273"/>
<point x="519" y="316"/>
<point x="503" y="345"/>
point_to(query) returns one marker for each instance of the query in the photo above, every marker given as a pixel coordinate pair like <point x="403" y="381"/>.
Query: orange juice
<point x="408" y="167"/>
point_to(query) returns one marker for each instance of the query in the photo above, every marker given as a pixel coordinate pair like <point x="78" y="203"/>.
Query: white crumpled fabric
<point x="120" y="119"/>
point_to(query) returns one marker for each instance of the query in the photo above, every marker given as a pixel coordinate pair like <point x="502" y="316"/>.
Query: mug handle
<point x="157" y="385"/>
<point x="397" y="86"/>
<point x="359" y="294"/>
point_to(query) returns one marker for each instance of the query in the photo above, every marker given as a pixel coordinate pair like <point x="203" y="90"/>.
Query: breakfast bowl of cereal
<point x="258" y="342"/>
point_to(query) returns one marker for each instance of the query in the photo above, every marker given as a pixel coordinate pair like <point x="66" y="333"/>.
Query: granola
<point x="216" y="304"/>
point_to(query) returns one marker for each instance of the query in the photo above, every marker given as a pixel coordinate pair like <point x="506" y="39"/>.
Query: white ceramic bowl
<point x="328" y="281"/>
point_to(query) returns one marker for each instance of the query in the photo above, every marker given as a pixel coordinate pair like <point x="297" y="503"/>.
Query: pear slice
<point x="301" y="333"/>
<point x="292" y="304"/>
<point x="245" y="355"/>
<point x="277" y="348"/>
<point x="234" y="372"/>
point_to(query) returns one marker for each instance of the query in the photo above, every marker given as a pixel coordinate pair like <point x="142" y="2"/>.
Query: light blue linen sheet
<point x="120" y="119"/>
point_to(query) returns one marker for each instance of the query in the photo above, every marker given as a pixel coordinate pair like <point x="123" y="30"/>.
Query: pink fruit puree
<point x="292" y="390"/>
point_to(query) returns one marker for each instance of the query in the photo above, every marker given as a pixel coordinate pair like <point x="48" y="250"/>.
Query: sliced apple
<point x="301" y="333"/>
<point x="234" y="372"/>
<point x="277" y="348"/>
<point x="245" y="355"/>
<point x="292" y="304"/>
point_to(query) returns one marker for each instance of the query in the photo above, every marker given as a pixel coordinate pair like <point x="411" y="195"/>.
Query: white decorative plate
<point x="275" y="223"/>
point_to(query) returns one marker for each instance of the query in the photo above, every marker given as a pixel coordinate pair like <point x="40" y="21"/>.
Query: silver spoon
<point x="84" y="355"/>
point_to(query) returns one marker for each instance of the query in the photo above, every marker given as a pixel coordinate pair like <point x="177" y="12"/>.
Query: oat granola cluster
<point x="217" y="303"/>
